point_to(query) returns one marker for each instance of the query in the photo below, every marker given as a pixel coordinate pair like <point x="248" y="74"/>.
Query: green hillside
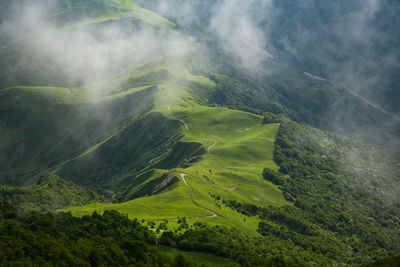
<point x="130" y="135"/>
<point x="238" y="134"/>
<point x="45" y="126"/>
<point x="51" y="193"/>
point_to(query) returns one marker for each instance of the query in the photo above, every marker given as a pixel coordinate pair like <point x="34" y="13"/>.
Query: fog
<point x="237" y="29"/>
<point x="83" y="52"/>
<point x="247" y="31"/>
<point x="342" y="48"/>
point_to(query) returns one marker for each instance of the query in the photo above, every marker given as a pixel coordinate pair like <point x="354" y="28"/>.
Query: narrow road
<point x="184" y="123"/>
<point x="226" y="188"/>
<point x="215" y="185"/>
<point x="236" y="170"/>
<point x="213" y="145"/>
<point x="368" y="102"/>
<point x="395" y="116"/>
<point x="213" y="214"/>
<point x="194" y="202"/>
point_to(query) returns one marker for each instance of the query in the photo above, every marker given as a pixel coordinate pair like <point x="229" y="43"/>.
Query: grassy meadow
<point x="238" y="147"/>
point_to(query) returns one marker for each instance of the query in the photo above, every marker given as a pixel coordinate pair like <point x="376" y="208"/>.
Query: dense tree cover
<point x="335" y="218"/>
<point x="231" y="243"/>
<point x="272" y="118"/>
<point x="393" y="261"/>
<point x="110" y="239"/>
<point x="50" y="193"/>
<point x="340" y="188"/>
<point x="290" y="93"/>
<point x="239" y="95"/>
<point x="337" y="53"/>
<point x="297" y="34"/>
<point x="342" y="208"/>
<point x="273" y="176"/>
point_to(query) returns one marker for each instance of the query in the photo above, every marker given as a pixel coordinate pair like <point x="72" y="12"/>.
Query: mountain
<point x="229" y="132"/>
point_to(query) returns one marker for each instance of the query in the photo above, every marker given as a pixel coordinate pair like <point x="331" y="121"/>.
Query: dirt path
<point x="395" y="116"/>
<point x="368" y="102"/>
<point x="314" y="77"/>
<point x="215" y="185"/>
<point x="213" y="145"/>
<point x="184" y="123"/>
<point x="225" y="188"/>
<point x="236" y="170"/>
<point x="213" y="214"/>
<point x="194" y="202"/>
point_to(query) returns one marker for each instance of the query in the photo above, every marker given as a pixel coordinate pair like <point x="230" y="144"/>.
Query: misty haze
<point x="200" y="133"/>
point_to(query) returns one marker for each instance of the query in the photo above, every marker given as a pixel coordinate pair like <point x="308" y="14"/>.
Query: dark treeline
<point x="337" y="212"/>
<point x="111" y="239"/>
<point x="61" y="239"/>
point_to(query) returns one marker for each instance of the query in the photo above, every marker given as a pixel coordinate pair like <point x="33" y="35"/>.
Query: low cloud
<point x="86" y="53"/>
<point x="235" y="24"/>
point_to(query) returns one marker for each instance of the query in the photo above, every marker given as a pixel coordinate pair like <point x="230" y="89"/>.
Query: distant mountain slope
<point x="172" y="122"/>
<point x="41" y="129"/>
<point x="352" y="42"/>
<point x="51" y="193"/>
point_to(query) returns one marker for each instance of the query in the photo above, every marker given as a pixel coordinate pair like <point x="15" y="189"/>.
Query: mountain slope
<point x="171" y="129"/>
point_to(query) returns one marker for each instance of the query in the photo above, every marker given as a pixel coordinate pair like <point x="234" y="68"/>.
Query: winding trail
<point x="213" y="145"/>
<point x="213" y="213"/>
<point x="194" y="202"/>
<point x="236" y="170"/>
<point x="184" y="123"/>
<point x="215" y="185"/>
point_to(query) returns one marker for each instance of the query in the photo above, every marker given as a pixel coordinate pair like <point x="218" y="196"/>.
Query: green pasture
<point x="238" y="147"/>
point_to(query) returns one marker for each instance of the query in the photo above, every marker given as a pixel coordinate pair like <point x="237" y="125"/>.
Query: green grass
<point x="99" y="11"/>
<point x="146" y="15"/>
<point x="172" y="204"/>
<point x="200" y="258"/>
<point x="58" y="124"/>
<point x="231" y="168"/>
<point x="241" y="147"/>
<point x="237" y="149"/>
<point x="57" y="95"/>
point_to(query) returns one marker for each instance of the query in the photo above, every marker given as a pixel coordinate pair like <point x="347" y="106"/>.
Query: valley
<point x="198" y="133"/>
